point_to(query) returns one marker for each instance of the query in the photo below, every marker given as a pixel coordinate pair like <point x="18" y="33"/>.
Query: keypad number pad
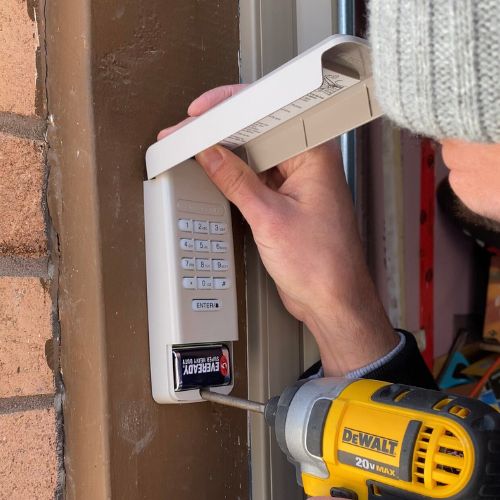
<point x="198" y="252"/>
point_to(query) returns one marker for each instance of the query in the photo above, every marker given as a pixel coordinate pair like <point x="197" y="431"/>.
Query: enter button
<point x="200" y="305"/>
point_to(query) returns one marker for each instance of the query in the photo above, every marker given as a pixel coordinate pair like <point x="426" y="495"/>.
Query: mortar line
<point x="26" y="267"/>
<point x="53" y="269"/>
<point x="24" y="127"/>
<point x="19" y="404"/>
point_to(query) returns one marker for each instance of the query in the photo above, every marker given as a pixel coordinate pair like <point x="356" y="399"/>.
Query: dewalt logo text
<point x="370" y="441"/>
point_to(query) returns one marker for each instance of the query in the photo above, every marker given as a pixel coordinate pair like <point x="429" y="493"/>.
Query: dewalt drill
<point x="370" y="440"/>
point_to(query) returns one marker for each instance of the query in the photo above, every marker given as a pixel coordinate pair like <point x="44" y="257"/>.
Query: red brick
<point x="22" y="226"/>
<point x="18" y="45"/>
<point x="27" y="447"/>
<point x="25" y="325"/>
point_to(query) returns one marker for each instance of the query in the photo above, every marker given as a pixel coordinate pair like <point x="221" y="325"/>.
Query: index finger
<point x="203" y="103"/>
<point x="170" y="130"/>
<point x="213" y="97"/>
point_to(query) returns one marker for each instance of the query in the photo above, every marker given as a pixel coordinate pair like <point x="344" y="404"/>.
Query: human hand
<point x="303" y="222"/>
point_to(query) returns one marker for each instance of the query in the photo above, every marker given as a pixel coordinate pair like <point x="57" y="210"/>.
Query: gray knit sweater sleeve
<point x="437" y="66"/>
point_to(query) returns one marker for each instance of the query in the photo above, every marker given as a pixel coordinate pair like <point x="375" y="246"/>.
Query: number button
<point x="185" y="225"/>
<point x="201" y="226"/>
<point x="186" y="244"/>
<point x="203" y="264"/>
<point x="204" y="283"/>
<point x="188" y="283"/>
<point x="187" y="264"/>
<point x="221" y="283"/>
<point x="220" y="265"/>
<point x="202" y="245"/>
<point x="219" y="246"/>
<point x="218" y="227"/>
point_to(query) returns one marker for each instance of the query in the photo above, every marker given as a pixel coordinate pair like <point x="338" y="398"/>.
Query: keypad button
<point x="200" y="226"/>
<point x="204" y="283"/>
<point x="202" y="245"/>
<point x="218" y="227"/>
<point x="189" y="283"/>
<point x="219" y="246"/>
<point x="185" y="225"/>
<point x="201" y="305"/>
<point x="221" y="283"/>
<point x="220" y="265"/>
<point x="203" y="264"/>
<point x="187" y="264"/>
<point x="186" y="244"/>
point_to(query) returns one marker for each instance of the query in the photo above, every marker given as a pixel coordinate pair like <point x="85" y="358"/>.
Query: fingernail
<point x="190" y="107"/>
<point x="210" y="159"/>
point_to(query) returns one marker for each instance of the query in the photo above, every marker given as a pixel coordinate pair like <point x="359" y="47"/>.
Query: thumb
<point x="236" y="180"/>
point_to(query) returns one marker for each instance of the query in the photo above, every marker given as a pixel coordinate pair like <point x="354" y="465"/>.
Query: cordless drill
<point x="371" y="440"/>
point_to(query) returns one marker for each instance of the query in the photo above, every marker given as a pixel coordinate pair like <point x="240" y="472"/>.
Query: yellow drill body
<point x="364" y="440"/>
<point x="370" y="440"/>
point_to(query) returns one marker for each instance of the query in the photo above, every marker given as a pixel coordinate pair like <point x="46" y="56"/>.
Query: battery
<point x="201" y="366"/>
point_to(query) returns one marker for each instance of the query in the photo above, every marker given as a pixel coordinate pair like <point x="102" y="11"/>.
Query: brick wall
<point x="30" y="420"/>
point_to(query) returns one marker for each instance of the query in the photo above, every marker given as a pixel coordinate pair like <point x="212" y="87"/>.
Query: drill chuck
<point x="270" y="411"/>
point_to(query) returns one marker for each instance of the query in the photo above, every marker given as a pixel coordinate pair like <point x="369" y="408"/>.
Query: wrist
<point x="351" y="338"/>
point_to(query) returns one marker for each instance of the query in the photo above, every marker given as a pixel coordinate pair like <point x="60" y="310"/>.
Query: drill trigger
<point x="343" y="493"/>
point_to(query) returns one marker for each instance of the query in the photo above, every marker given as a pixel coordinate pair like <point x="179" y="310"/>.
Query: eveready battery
<point x="201" y="366"/>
